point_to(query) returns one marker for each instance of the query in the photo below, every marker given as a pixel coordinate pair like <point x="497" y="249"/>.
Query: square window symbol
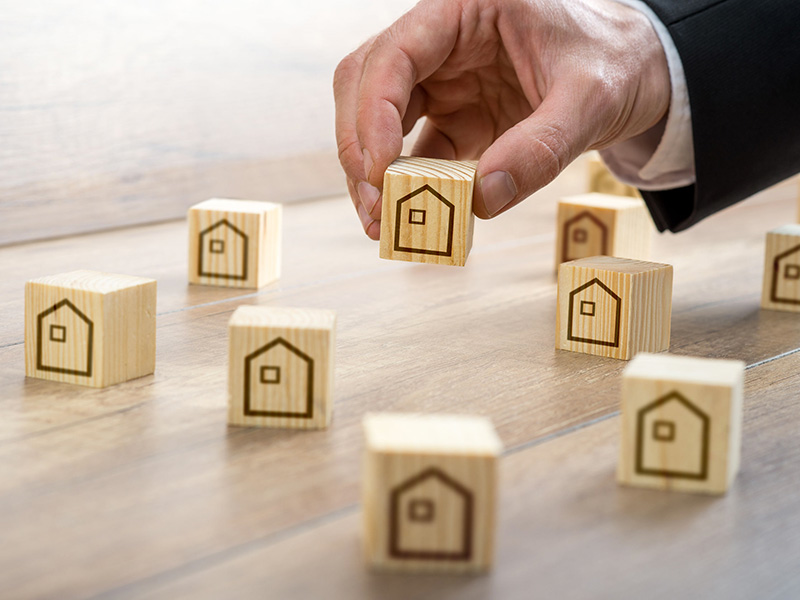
<point x="270" y="374"/>
<point x="664" y="431"/>
<point x="587" y="308"/>
<point x="791" y="272"/>
<point x="416" y="216"/>
<point x="579" y="235"/>
<point x="420" y="511"/>
<point x="58" y="333"/>
<point x="217" y="247"/>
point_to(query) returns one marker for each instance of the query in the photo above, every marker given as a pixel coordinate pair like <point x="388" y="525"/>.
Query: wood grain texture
<point x="613" y="307"/>
<point x="429" y="492"/>
<point x="781" y="287"/>
<point x="426" y="215"/>
<point x="90" y="328"/>
<point x="281" y="367"/>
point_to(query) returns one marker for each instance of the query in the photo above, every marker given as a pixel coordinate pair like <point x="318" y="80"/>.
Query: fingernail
<point x="366" y="220"/>
<point x="369" y="196"/>
<point x="367" y="162"/>
<point x="498" y="190"/>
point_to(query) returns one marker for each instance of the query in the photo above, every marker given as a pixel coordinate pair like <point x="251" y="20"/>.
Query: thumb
<point x="530" y="155"/>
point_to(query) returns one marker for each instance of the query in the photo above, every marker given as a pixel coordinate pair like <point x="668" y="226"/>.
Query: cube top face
<point x="613" y="307"/>
<point x="234" y="243"/>
<point x="681" y="432"/>
<point x="434" y="434"/>
<point x="281" y="367"/>
<point x="90" y="328"/>
<point x="781" y="287"/>
<point x="427" y="211"/>
<point x="606" y="201"/>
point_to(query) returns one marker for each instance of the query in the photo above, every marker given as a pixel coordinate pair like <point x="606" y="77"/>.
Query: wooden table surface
<point x="142" y="490"/>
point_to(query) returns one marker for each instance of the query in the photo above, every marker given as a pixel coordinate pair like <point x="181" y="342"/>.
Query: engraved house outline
<point x="569" y="230"/>
<point x="60" y="334"/>
<point x="780" y="273"/>
<point x="271" y="375"/>
<point x="425" y="510"/>
<point x="417" y="218"/>
<point x="664" y="431"/>
<point x="583" y="311"/>
<point x="221" y="247"/>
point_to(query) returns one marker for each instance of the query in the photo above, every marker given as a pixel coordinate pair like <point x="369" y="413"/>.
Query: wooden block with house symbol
<point x="613" y="307"/>
<point x="601" y="224"/>
<point x="426" y="214"/>
<point x="602" y="181"/>
<point x="234" y="243"/>
<point x="781" y="289"/>
<point x="429" y="492"/>
<point x="681" y="423"/>
<point x="90" y="328"/>
<point x="281" y="367"/>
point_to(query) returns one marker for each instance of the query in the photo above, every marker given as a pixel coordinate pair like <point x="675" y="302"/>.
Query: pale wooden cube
<point x="429" y="492"/>
<point x="602" y="181"/>
<point x="613" y="307"/>
<point x="781" y="288"/>
<point x="234" y="243"/>
<point x="426" y="214"/>
<point x="281" y="367"/>
<point x="602" y="224"/>
<point x="681" y="423"/>
<point x="90" y="328"/>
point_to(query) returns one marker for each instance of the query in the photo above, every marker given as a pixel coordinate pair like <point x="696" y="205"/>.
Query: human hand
<point x="527" y="86"/>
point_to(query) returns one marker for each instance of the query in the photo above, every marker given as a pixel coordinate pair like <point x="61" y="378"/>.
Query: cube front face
<point x="234" y="243"/>
<point x="602" y="181"/>
<point x="281" y="375"/>
<point x="427" y="211"/>
<point x="613" y="307"/>
<point x="781" y="288"/>
<point x="90" y="328"/>
<point x="681" y="435"/>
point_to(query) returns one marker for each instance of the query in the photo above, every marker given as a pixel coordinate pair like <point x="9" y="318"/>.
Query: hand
<point x="525" y="85"/>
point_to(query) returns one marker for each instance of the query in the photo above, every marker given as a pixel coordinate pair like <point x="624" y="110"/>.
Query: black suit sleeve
<point x="742" y="64"/>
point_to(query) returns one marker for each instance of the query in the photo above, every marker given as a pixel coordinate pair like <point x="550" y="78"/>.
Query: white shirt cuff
<point x="663" y="156"/>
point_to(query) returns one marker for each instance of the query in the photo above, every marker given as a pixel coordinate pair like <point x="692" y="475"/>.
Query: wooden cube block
<point x="429" y="492"/>
<point x="613" y="307"/>
<point x="90" y="328"/>
<point x="235" y="243"/>
<point x="602" y="181"/>
<point x="601" y="224"/>
<point x="281" y="367"/>
<point x="427" y="211"/>
<point x="781" y="289"/>
<point x="681" y="423"/>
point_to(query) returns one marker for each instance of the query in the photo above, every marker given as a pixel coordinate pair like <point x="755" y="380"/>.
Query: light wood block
<point x="681" y="423"/>
<point x="602" y="224"/>
<point x="429" y="492"/>
<point x="281" y="367"/>
<point x="613" y="307"/>
<point x="602" y="181"/>
<point x="90" y="328"/>
<point x="781" y="288"/>
<point x="427" y="211"/>
<point x="234" y="243"/>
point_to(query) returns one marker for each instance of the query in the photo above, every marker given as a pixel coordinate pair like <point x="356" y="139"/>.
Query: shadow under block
<point x="781" y="288"/>
<point x="235" y="243"/>
<point x="602" y="224"/>
<point x="429" y="492"/>
<point x="281" y="367"/>
<point x="681" y="423"/>
<point x="427" y="211"/>
<point x="602" y="181"/>
<point x="613" y="307"/>
<point x="90" y="328"/>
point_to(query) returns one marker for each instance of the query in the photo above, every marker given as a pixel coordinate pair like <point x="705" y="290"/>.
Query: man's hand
<point x="527" y="86"/>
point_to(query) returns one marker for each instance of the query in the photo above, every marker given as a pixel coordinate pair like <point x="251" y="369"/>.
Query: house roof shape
<point x="579" y="217"/>
<point x="776" y="263"/>
<point x="396" y="551"/>
<point x="40" y="339"/>
<point x="308" y="413"/>
<point x="673" y="396"/>
<point x="450" y="223"/>
<point x="618" y="302"/>
<point x="200" y="255"/>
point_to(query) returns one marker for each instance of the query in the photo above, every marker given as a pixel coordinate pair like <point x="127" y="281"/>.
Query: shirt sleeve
<point x="662" y="157"/>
